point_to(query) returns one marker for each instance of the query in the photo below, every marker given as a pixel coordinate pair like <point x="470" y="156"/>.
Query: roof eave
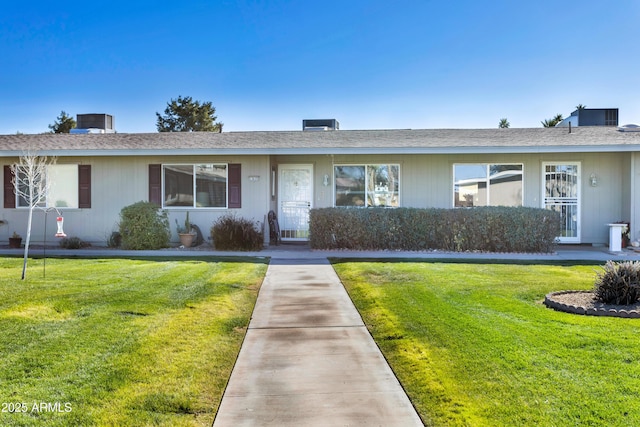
<point x="331" y="150"/>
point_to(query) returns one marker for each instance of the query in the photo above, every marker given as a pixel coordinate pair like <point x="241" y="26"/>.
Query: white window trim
<point x="366" y="182"/>
<point x="194" y="205"/>
<point x="488" y="165"/>
<point x="47" y="205"/>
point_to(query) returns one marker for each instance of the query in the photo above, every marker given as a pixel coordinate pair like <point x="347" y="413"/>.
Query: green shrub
<point x="73" y="243"/>
<point x="230" y="233"/>
<point x="489" y="229"/>
<point x="144" y="226"/>
<point x="114" y="240"/>
<point x="619" y="283"/>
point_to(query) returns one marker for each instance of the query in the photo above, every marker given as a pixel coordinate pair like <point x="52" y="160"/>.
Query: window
<point x="487" y="185"/>
<point x="196" y="186"/>
<point x="367" y="185"/>
<point x="63" y="190"/>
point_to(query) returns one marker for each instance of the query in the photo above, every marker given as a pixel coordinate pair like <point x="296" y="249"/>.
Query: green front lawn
<point x="474" y="345"/>
<point x="120" y="342"/>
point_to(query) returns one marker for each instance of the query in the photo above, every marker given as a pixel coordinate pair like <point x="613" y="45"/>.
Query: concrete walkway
<point x="308" y="359"/>
<point x="563" y="253"/>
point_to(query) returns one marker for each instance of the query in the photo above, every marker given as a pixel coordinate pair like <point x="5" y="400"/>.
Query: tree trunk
<point x="26" y="245"/>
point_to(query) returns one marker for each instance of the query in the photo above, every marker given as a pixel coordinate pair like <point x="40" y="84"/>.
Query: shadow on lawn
<point x="167" y="258"/>
<point x="562" y="263"/>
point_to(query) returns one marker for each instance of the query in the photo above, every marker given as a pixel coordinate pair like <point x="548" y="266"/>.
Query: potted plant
<point x="185" y="233"/>
<point x="15" y="241"/>
<point x="626" y="234"/>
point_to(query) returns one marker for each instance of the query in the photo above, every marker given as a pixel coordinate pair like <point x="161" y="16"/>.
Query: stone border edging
<point x="603" y="310"/>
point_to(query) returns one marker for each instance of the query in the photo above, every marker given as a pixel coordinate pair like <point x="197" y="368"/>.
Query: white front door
<point x="561" y="193"/>
<point x="295" y="194"/>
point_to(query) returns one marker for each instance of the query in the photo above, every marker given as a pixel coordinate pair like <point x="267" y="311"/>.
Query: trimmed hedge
<point x="488" y="229"/>
<point x="144" y="226"/>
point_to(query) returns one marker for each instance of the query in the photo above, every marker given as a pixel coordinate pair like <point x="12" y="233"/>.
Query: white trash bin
<point x="615" y="236"/>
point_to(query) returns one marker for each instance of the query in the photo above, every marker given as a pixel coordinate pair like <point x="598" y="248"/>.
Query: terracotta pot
<point x="186" y="239"/>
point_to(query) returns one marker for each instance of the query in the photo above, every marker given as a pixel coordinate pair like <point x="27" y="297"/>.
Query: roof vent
<point x="629" y="128"/>
<point x="94" y="123"/>
<point x="320" y="125"/>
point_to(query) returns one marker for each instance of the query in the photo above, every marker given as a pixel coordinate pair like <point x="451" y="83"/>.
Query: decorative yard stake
<point x="59" y="233"/>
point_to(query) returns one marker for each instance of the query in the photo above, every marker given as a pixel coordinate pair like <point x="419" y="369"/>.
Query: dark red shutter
<point x="84" y="186"/>
<point x="235" y="185"/>
<point x="155" y="184"/>
<point x="9" y="193"/>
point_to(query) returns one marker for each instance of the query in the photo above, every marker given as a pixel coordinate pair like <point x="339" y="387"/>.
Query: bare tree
<point x="32" y="187"/>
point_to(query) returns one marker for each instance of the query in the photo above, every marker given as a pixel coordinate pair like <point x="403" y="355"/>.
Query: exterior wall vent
<point x="320" y="125"/>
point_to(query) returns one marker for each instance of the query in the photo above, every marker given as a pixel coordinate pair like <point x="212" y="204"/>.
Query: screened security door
<point x="561" y="187"/>
<point x="295" y="194"/>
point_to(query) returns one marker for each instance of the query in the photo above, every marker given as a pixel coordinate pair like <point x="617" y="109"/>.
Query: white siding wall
<point x="425" y="181"/>
<point x="634" y="192"/>
<point x="120" y="181"/>
<point x="606" y="202"/>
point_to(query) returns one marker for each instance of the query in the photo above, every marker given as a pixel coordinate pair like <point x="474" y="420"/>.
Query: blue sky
<point x="266" y="65"/>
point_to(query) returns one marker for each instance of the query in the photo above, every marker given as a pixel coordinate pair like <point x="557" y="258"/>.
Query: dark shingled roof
<point x="401" y="141"/>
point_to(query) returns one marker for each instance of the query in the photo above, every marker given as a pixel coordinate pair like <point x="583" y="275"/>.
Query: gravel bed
<point x="583" y="302"/>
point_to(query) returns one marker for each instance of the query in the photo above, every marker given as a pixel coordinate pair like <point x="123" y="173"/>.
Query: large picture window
<point x="367" y="185"/>
<point x="195" y="186"/>
<point x="63" y="189"/>
<point x="482" y="184"/>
